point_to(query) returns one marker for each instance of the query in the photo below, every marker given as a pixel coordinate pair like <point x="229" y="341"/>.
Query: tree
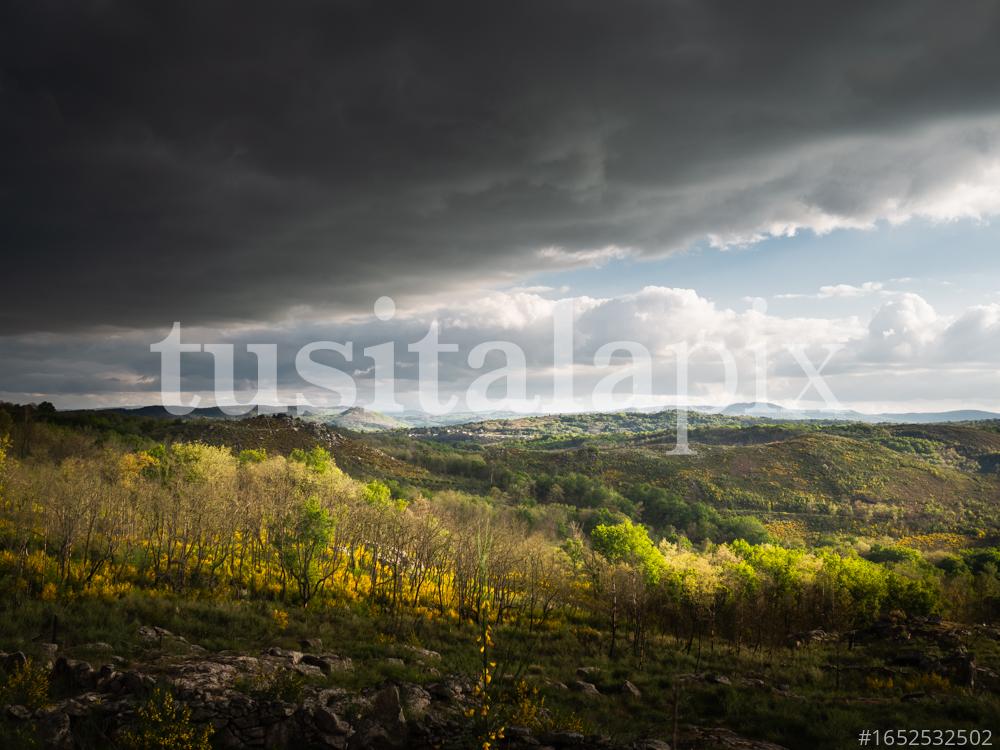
<point x="300" y="540"/>
<point x="630" y="544"/>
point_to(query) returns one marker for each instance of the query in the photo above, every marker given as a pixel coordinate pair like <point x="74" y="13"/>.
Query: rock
<point x="281" y="733"/>
<point x="329" y="696"/>
<point x="520" y="736"/>
<point x="20" y="713"/>
<point x="716" y="738"/>
<point x="204" y="676"/>
<point x="415" y="701"/>
<point x="74" y="674"/>
<point x="135" y="683"/>
<point x="327" y="663"/>
<point x="373" y="737"/>
<point x="588" y="673"/>
<point x="423" y="653"/>
<point x="316" y="661"/>
<point x="81" y="705"/>
<point x="329" y="723"/>
<point x="718" y="679"/>
<point x="587" y="688"/>
<point x="444" y="691"/>
<point x="962" y="666"/>
<point x="55" y="730"/>
<point x="153" y="634"/>
<point x="311" y="644"/>
<point x="562" y="739"/>
<point x="293" y="656"/>
<point x="651" y="745"/>
<point x="395" y="661"/>
<point x="385" y="725"/>
<point x="387" y="707"/>
<point x="308" y="670"/>
<point x="630" y="690"/>
<point x="14" y="662"/>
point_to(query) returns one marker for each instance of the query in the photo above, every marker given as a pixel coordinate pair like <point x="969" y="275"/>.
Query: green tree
<point x="301" y="541"/>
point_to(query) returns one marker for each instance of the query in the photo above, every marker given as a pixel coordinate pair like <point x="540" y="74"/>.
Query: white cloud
<point x="905" y="342"/>
<point x="840" y="290"/>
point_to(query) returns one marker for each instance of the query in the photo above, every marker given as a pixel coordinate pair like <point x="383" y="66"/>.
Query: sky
<point x="781" y="177"/>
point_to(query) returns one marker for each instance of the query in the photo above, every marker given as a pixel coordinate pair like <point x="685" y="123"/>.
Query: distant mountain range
<point x="359" y="419"/>
<point x="774" y="411"/>
<point x="355" y="418"/>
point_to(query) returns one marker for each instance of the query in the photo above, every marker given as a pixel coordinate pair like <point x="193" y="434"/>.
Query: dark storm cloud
<point x="225" y="161"/>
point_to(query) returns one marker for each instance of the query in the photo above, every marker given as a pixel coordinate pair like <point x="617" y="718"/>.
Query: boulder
<point x="71" y="673"/>
<point x="293" y="656"/>
<point x="631" y="691"/>
<point x="13" y="662"/>
<point x="328" y="722"/>
<point x="19" y="713"/>
<point x="423" y="653"/>
<point x="54" y="728"/>
<point x="387" y="706"/>
<point x="415" y="701"/>
<point x="384" y="728"/>
<point x="587" y="688"/>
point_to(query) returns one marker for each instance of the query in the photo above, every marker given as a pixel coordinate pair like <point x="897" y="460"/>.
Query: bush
<point x="165" y="724"/>
<point x="28" y="686"/>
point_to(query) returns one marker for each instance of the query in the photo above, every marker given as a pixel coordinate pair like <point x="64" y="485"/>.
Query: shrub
<point x="28" y="686"/>
<point x="165" y="724"/>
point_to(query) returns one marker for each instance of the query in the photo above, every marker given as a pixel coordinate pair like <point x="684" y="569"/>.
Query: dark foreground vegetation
<point x="558" y="579"/>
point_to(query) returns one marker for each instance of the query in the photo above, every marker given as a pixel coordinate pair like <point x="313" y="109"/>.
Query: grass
<point x="799" y="705"/>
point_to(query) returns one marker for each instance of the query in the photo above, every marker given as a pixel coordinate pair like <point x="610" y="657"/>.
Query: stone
<point x="423" y="653"/>
<point x="317" y="661"/>
<point x="20" y="713"/>
<point x="387" y="706"/>
<point x="651" y="745"/>
<point x="311" y="644"/>
<point x="373" y="737"/>
<point x="718" y="679"/>
<point x="723" y="739"/>
<point x="280" y="735"/>
<point x="630" y="690"/>
<point x="562" y="739"/>
<point x="444" y="691"/>
<point x="329" y="723"/>
<point x="294" y="656"/>
<point x="520" y="737"/>
<point x="415" y="701"/>
<point x="587" y="688"/>
<point x="55" y="730"/>
<point x="384" y="727"/>
<point x="308" y="670"/>
<point x="14" y="662"/>
<point x="74" y="673"/>
<point x="152" y="634"/>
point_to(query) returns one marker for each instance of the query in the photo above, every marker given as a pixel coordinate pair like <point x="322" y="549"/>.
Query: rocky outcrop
<point x="236" y="694"/>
